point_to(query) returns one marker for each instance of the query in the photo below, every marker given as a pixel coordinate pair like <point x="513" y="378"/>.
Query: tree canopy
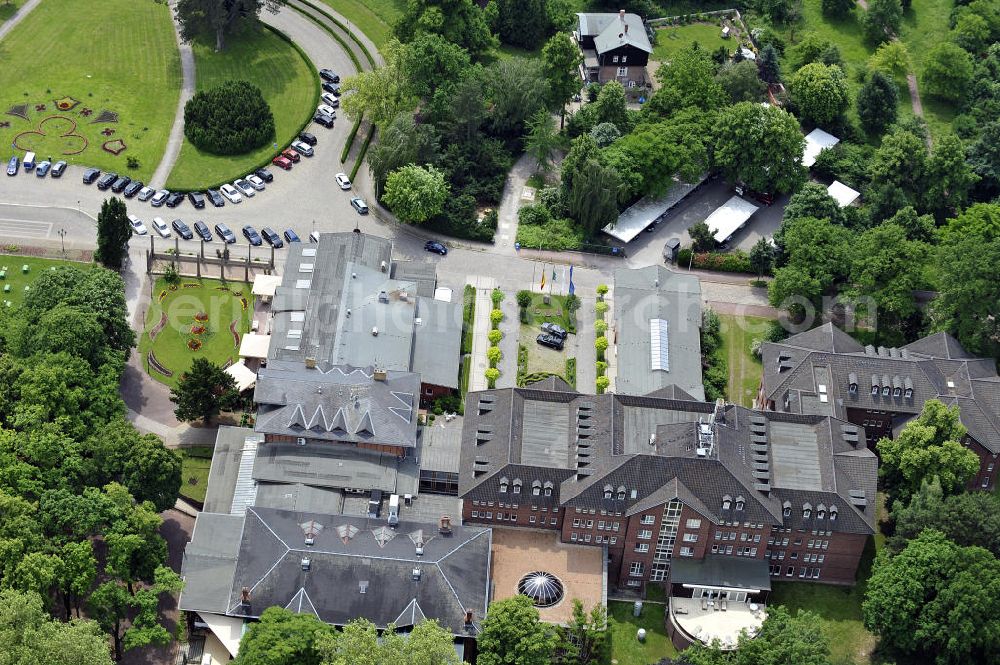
<point x="31" y="637"/>
<point x="216" y="18"/>
<point x="877" y="101"/>
<point x="415" y="193"/>
<point x="948" y="71"/>
<point x="203" y="391"/>
<point x="819" y="92"/>
<point x="113" y="233"/>
<point x="740" y="131"/>
<point x="967" y="518"/>
<point x="229" y="119"/>
<point x="513" y="635"/>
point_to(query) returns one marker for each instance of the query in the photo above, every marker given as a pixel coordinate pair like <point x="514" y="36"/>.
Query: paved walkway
<point x="480" y="328"/>
<point x="176" y="139"/>
<point x="586" y="354"/>
<point x="511" y="202"/>
<point x="511" y="328"/>
<point x="18" y="16"/>
<point x="324" y="13"/>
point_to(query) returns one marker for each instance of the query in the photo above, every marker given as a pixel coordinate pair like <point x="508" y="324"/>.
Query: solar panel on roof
<point x="659" y="350"/>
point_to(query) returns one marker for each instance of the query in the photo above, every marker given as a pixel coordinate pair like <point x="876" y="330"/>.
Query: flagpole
<point x="533" y="266"/>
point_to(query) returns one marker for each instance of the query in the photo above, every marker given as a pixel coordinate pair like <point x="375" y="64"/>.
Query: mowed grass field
<point x="15" y="277"/>
<point x="288" y="81"/>
<point x="738" y="333"/>
<point x="625" y="648"/>
<point x="116" y="55"/>
<point x="672" y="39"/>
<point x="220" y="300"/>
<point x="375" y="18"/>
<point x="925" y="25"/>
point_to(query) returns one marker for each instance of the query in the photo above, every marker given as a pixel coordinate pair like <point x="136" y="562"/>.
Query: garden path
<point x="18" y="17"/>
<point x="511" y="202"/>
<point x="176" y="139"/>
<point x="480" y="329"/>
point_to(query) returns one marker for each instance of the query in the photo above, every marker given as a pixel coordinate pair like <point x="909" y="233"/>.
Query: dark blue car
<point x="291" y="236"/>
<point x="436" y="247"/>
<point x="250" y="233"/>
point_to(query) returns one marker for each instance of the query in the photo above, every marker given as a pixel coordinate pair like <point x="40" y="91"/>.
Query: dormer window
<point x="503" y="484"/>
<point x="806" y="511"/>
<point x="727" y="502"/>
<point x="621" y="492"/>
<point x="536" y="488"/>
<point x="547" y="488"/>
<point x="852" y="388"/>
<point x="897" y="392"/>
<point x="885" y="391"/>
<point x="820" y="512"/>
<point x="787" y="510"/>
<point x="833" y="513"/>
<point x="908" y="393"/>
<point x="517" y="486"/>
<point x="874" y="389"/>
<point x="740" y="503"/>
<point x="607" y="491"/>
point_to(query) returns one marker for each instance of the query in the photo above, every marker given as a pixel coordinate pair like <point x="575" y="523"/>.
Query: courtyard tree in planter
<point x="523" y="303"/>
<point x="602" y="384"/>
<point x="601" y="344"/>
<point x="496" y="316"/>
<point x="492" y="374"/>
<point x="493" y="354"/>
<point x="203" y="392"/>
<point x="602" y="290"/>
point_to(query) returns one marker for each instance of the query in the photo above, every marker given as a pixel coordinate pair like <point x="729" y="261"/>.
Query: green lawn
<point x="375" y="18"/>
<point x="117" y="59"/>
<point x="924" y="26"/>
<point x="16" y="279"/>
<point x="738" y="333"/>
<point x="625" y="648"/>
<point x="220" y="300"/>
<point x="289" y="84"/>
<point x="840" y="609"/>
<point x="672" y="39"/>
<point x="195" y="465"/>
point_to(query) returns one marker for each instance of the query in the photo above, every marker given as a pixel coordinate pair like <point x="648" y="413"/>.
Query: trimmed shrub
<point x="496" y="316"/>
<point x="602" y="368"/>
<point x="230" y="119"/>
<point x="602" y="290"/>
<point x="601" y="308"/>
<point x="600" y="327"/>
<point x="602" y="384"/>
<point x="534" y="215"/>
<point x="493" y="354"/>
<point x="491" y="374"/>
<point x="496" y="295"/>
<point x="494" y="336"/>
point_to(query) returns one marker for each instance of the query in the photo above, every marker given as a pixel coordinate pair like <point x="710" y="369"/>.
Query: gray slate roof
<point x="609" y="32"/>
<point x="647" y="447"/>
<point x="935" y="367"/>
<point x="337" y="403"/>
<point x="657" y="293"/>
<point x="348" y="554"/>
<point x="726" y="571"/>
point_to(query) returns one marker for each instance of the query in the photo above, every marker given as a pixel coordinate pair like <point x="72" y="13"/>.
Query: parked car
<point x="106" y="181"/>
<point x="120" y="184"/>
<point x="138" y="228"/>
<point x="183" y="230"/>
<point x="761" y="197"/>
<point x="330" y="100"/>
<point x="436" y="247"/>
<point x="332" y="88"/>
<point x="28" y="162"/>
<point x="197" y="199"/>
<point x="375" y="504"/>
<point x="291" y="155"/>
<point x="323" y="119"/>
<point x="250" y="233"/>
<point x="343" y="181"/>
<point x="159" y="198"/>
<point x="245" y="187"/>
<point x="132" y="189"/>
<point x="161" y="227"/>
<point x="146" y="193"/>
<point x="272" y="238"/>
<point x="264" y="174"/>
<point x="291" y="236"/>
<point x="282" y="162"/>
<point x="359" y="204"/>
<point x="306" y="137"/>
<point x="329" y="75"/>
<point x="555" y="330"/>
<point x="255" y="182"/>
<point x="58" y="169"/>
<point x="43" y="168"/>
<point x="302" y="148"/>
<point x="14" y="164"/>
<point x="327" y="109"/>
<point x="231" y="193"/>
<point x="175" y="199"/>
<point x="551" y="341"/>
<point x="225" y="234"/>
<point x="201" y="228"/>
<point x="216" y="198"/>
<point x="90" y="175"/>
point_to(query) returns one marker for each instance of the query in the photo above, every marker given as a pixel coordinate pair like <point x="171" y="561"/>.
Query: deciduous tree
<point x="282" y="637"/>
<point x="512" y="634"/>
<point x="688" y="79"/>
<point x="381" y="93"/>
<point x="560" y="66"/>
<point x="742" y="82"/>
<point x="542" y="138"/>
<point x="459" y="21"/>
<point x="741" y="130"/>
<point x="887" y="267"/>
<point x="947" y="71"/>
<point x="702" y="237"/>
<point x="402" y="142"/>
<point x="217" y="18"/>
<point x="31" y="637"/>
<point x="113" y="233"/>
<point x="819" y="92"/>
<point x="882" y="20"/>
<point x="891" y="58"/>
<point x="416" y="193"/>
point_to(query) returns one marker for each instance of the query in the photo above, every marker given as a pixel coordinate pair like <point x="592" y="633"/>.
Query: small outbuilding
<point x="816" y="141"/>
<point x="842" y="194"/>
<point x="730" y="217"/>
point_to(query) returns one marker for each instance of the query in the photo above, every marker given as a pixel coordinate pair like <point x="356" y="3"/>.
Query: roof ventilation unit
<point x="306" y="564"/>
<point x="383" y="296"/>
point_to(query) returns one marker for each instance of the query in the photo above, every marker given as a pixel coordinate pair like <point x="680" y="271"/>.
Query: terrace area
<point x="708" y="620"/>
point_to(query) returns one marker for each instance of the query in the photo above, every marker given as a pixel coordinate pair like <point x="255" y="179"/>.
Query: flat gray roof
<point x="649" y="294"/>
<point x="210" y="562"/>
<point x="440" y="445"/>
<point x="326" y="465"/>
<point x="721" y="571"/>
<point x="543" y="434"/>
<point x="795" y="459"/>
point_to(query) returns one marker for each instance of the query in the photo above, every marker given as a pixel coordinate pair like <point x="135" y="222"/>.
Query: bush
<point x="534" y="215"/>
<point x="230" y="119"/>
<point x="496" y="295"/>
<point x="601" y="344"/>
<point x="602" y="290"/>
<point x="491" y="374"/>
<point x="494" y="336"/>
<point x="600" y="327"/>
<point x="571" y="371"/>
<point x="496" y="316"/>
<point x="602" y="368"/>
<point x="602" y="384"/>
<point x="558" y="235"/>
<point x="552" y="199"/>
<point x="493" y="354"/>
<point x="736" y="261"/>
<point x="601" y="308"/>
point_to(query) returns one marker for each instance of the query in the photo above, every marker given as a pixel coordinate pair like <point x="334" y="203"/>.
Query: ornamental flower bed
<point x="197" y="329"/>
<point x="194" y="344"/>
<point x="201" y="316"/>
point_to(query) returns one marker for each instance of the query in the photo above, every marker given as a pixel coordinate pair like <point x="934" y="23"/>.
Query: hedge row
<point x="363" y="152"/>
<point x="736" y="261"/>
<point x="350" y="140"/>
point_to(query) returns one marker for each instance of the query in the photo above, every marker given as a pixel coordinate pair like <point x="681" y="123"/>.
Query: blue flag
<point x="571" y="287"/>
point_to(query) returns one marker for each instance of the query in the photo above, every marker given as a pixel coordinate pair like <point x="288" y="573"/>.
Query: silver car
<point x="256" y="182"/>
<point x="159" y="198"/>
<point x="302" y="148"/>
<point x="244" y="187"/>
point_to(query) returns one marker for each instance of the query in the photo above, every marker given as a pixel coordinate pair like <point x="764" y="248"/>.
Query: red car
<point x="291" y="155"/>
<point x="282" y="162"/>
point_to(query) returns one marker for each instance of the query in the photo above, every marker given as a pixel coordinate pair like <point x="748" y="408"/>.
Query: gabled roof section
<point x="611" y="31"/>
<point x="939" y="345"/>
<point x="826" y="337"/>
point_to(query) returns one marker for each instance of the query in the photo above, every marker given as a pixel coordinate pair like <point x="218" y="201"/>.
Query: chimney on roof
<point x="380" y="375"/>
<point x="444" y="524"/>
<point x="468" y="618"/>
<point x="621" y="15"/>
<point x="383" y="296"/>
<point x="245" y="598"/>
<point x="719" y="415"/>
<point x="310" y="362"/>
<point x="384" y="267"/>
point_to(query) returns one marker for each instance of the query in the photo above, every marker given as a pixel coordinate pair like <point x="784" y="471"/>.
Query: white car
<point x="159" y="198"/>
<point x="255" y="182"/>
<point x="138" y="227"/>
<point x="231" y="193"/>
<point x="343" y="181"/>
<point x="327" y="109"/>
<point x="161" y="227"/>
<point x="146" y="193"/>
<point x="330" y="100"/>
<point x="245" y="187"/>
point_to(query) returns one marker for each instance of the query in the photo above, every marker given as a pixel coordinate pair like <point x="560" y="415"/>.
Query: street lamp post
<point x="62" y="239"/>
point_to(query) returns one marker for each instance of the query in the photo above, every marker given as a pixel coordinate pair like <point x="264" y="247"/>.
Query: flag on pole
<point x="543" y="278"/>
<point x="572" y="288"/>
<point x="553" y="273"/>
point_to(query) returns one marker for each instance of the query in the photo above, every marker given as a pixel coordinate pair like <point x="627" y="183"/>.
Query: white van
<point x="29" y="161"/>
<point x="393" y="510"/>
<point x="314" y="236"/>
